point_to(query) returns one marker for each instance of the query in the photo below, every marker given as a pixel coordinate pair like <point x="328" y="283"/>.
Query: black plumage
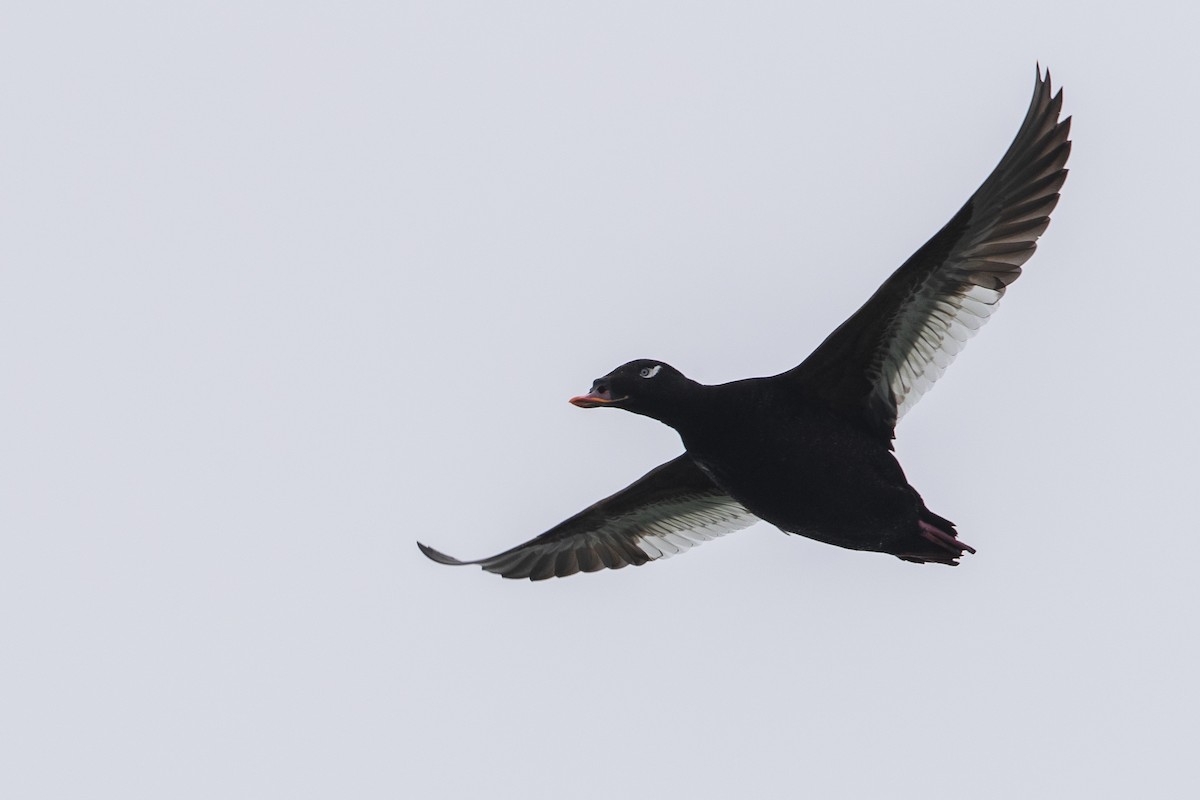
<point x="810" y="450"/>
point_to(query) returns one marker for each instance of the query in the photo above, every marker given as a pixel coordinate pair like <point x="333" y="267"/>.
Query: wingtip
<point x="1043" y="82"/>
<point x="439" y="557"/>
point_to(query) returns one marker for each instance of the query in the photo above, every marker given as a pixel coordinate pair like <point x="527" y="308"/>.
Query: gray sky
<point x="284" y="288"/>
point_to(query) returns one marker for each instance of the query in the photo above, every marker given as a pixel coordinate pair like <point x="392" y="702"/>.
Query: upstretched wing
<point x="882" y="359"/>
<point x="670" y="509"/>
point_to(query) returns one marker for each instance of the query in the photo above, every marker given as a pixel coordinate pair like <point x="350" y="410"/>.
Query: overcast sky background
<point x="287" y="286"/>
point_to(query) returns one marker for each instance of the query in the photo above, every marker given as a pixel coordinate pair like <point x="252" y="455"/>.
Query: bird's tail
<point x="936" y="542"/>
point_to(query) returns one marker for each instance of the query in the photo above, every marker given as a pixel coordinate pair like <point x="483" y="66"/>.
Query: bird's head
<point x="645" y="386"/>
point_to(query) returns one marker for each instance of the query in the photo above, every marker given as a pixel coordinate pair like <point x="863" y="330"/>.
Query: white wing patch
<point x="922" y="350"/>
<point x="686" y="524"/>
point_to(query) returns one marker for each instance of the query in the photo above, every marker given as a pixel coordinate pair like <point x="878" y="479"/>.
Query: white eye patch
<point x="650" y="372"/>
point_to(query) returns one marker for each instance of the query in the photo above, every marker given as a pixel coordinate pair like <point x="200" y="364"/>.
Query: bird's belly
<point x="845" y="502"/>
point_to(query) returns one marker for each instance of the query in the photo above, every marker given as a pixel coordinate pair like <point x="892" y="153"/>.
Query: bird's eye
<point x="650" y="372"/>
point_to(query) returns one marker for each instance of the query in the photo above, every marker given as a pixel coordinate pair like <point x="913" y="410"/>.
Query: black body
<point x="808" y="470"/>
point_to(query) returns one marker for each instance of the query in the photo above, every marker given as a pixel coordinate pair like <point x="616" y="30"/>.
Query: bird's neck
<point x="698" y="409"/>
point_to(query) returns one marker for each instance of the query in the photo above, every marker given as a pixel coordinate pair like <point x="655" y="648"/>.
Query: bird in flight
<point x="810" y="450"/>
